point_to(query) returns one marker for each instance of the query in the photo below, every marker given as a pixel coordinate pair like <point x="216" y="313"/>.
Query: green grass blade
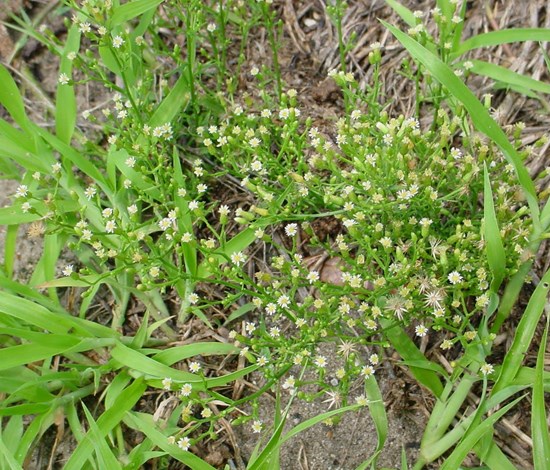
<point x="170" y="106"/>
<point x="494" y="458"/>
<point x="462" y="450"/>
<point x="11" y="99"/>
<point x="7" y="457"/>
<point x="478" y="113"/>
<point x="35" y="429"/>
<point x="144" y="423"/>
<point x="140" y="362"/>
<point x="508" y="77"/>
<point x="65" y="102"/>
<point x="242" y="310"/>
<point x="524" y="335"/>
<point x="423" y="370"/>
<point x="504" y="36"/>
<point x="179" y="353"/>
<point x="130" y="10"/>
<point x="118" y="157"/>
<point x="76" y="158"/>
<point x="496" y="256"/>
<point x="106" y="423"/>
<point x="539" y="425"/>
<point x="104" y="454"/>
<point x="10" y="248"/>
<point x="406" y="15"/>
<point x="378" y="414"/>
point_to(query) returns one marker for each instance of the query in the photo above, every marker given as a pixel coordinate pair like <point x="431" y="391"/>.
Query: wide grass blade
<point x="539" y="424"/>
<point x="486" y="426"/>
<point x="179" y="353"/>
<point x="406" y="15"/>
<point x="12" y="100"/>
<point x="378" y="414"/>
<point x="508" y="77"/>
<point x="130" y="10"/>
<point x="65" y="102"/>
<point x="104" y="455"/>
<point x="478" y="113"/>
<point x="144" y="423"/>
<point x="170" y="106"/>
<point x="423" y="370"/>
<point x="7" y="459"/>
<point x="504" y="36"/>
<point x="106" y="423"/>
<point x="524" y="334"/>
<point x="142" y="363"/>
<point x="496" y="256"/>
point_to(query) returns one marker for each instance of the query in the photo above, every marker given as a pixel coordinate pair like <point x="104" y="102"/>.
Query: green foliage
<point x="428" y="224"/>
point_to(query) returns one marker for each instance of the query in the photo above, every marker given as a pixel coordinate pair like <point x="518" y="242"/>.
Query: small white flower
<point x="320" y="361"/>
<point x="154" y="271"/>
<point x="291" y="229"/>
<point x="194" y="367"/>
<point x="367" y="371"/>
<point x="167" y="383"/>
<point x="184" y="443"/>
<point x="63" y="79"/>
<point x="257" y="426"/>
<point x="110" y="226"/>
<point x="22" y="191"/>
<point x="68" y="270"/>
<point x="487" y="369"/>
<point x="186" y="390"/>
<point x="421" y="331"/>
<point x="238" y="258"/>
<point x="455" y="277"/>
<point x="117" y="42"/>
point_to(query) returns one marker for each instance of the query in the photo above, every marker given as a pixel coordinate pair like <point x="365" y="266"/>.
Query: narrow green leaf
<point x="423" y="371"/>
<point x="8" y="457"/>
<point x="406" y="15"/>
<point x="539" y="424"/>
<point x="170" y="106"/>
<point x="179" y="353"/>
<point x="65" y="101"/>
<point x="524" y="334"/>
<point x="130" y="10"/>
<point x="142" y="363"/>
<point x="276" y="441"/>
<point x="144" y="423"/>
<point x="14" y="215"/>
<point x="104" y="454"/>
<point x="504" y="36"/>
<point x="106" y="423"/>
<point x="507" y="76"/>
<point x="119" y="157"/>
<point x="462" y="449"/>
<point x="378" y="414"/>
<point x="77" y="159"/>
<point x="242" y="310"/>
<point x="496" y="256"/>
<point x="10" y="247"/>
<point x="11" y="99"/>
